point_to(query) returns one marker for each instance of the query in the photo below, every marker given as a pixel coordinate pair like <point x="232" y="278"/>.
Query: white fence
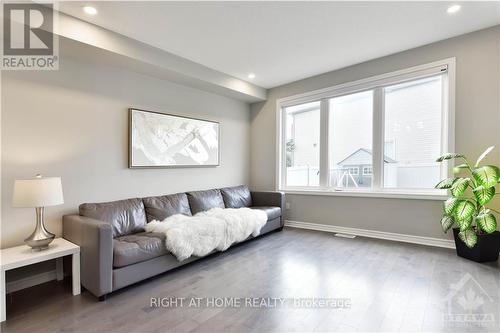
<point x="421" y="176"/>
<point x="302" y="176"/>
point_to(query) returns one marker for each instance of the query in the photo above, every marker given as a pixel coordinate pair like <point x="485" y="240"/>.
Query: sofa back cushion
<point x="161" y="207"/>
<point x="204" y="200"/>
<point x="236" y="196"/>
<point x="125" y="216"/>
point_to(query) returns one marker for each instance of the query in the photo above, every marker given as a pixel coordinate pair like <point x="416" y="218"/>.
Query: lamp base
<point x="39" y="244"/>
<point x="40" y="238"/>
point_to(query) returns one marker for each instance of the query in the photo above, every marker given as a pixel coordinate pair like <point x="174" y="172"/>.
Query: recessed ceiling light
<point x="453" y="9"/>
<point x="251" y="76"/>
<point x="90" y="10"/>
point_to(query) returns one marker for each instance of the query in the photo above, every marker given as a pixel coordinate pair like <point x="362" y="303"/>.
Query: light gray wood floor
<point x="393" y="287"/>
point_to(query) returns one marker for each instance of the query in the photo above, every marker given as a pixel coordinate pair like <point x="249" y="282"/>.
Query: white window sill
<point x="421" y="195"/>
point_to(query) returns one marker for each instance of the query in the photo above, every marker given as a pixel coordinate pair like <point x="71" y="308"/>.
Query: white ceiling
<point x="283" y="42"/>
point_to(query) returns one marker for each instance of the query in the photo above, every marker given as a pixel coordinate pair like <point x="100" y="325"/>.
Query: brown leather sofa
<point x="117" y="252"/>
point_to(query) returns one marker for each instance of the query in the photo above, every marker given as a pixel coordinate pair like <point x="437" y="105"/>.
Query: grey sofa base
<point x="99" y="227"/>
<point x="125" y="276"/>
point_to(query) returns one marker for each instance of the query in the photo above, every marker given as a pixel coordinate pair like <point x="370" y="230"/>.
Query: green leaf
<point x="459" y="186"/>
<point x="465" y="224"/>
<point x="449" y="205"/>
<point x="469" y="237"/>
<point x="487" y="222"/>
<point x="447" y="222"/>
<point x="487" y="176"/>
<point x="483" y="155"/>
<point x="459" y="168"/>
<point x="446" y="183"/>
<point x="449" y="156"/>
<point x="484" y="195"/>
<point x="464" y="210"/>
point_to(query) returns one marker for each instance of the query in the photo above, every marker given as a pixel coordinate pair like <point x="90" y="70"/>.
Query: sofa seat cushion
<point x="201" y="201"/>
<point x="125" y="216"/>
<point x="161" y="207"/>
<point x="271" y="211"/>
<point x="236" y="196"/>
<point x="131" y="249"/>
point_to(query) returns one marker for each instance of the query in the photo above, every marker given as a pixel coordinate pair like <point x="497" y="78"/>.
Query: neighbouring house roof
<point x="362" y="156"/>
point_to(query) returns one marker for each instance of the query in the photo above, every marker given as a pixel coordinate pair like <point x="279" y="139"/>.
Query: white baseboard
<point x="430" y="241"/>
<point x="30" y="281"/>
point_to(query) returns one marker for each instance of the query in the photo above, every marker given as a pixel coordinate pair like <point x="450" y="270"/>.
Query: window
<point x="381" y="134"/>
<point x="353" y="171"/>
<point x="413" y="119"/>
<point x="302" y="144"/>
<point x="350" y="138"/>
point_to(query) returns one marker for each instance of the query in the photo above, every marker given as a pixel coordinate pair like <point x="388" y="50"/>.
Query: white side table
<point x="20" y="256"/>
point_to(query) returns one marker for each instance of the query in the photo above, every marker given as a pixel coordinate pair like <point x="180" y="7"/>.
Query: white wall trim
<point x="371" y="82"/>
<point x="31" y="281"/>
<point x="429" y="241"/>
<point x="438" y="195"/>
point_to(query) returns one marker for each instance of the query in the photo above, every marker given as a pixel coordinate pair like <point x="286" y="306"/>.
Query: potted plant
<point x="472" y="188"/>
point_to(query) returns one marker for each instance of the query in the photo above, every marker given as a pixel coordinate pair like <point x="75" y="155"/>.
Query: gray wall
<point x="73" y="123"/>
<point x="477" y="127"/>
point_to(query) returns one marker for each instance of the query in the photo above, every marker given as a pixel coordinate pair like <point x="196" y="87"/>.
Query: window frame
<point x="376" y="84"/>
<point x="366" y="173"/>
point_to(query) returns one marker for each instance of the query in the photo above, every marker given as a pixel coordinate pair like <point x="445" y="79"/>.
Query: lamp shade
<point x="38" y="192"/>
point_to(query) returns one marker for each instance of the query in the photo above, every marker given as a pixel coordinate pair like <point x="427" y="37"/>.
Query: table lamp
<point x="38" y="192"/>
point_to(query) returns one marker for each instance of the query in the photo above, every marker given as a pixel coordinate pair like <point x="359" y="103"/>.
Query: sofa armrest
<point x="95" y="239"/>
<point x="276" y="199"/>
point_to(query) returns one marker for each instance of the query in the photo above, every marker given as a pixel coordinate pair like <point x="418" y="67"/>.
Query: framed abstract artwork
<point x="160" y="140"/>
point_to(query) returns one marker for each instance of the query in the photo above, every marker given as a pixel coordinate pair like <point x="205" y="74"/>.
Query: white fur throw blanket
<point x="215" y="229"/>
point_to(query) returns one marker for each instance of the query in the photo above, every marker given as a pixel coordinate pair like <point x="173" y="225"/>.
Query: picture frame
<point x="166" y="140"/>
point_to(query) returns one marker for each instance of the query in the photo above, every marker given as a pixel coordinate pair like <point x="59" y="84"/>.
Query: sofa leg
<point x="102" y="298"/>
